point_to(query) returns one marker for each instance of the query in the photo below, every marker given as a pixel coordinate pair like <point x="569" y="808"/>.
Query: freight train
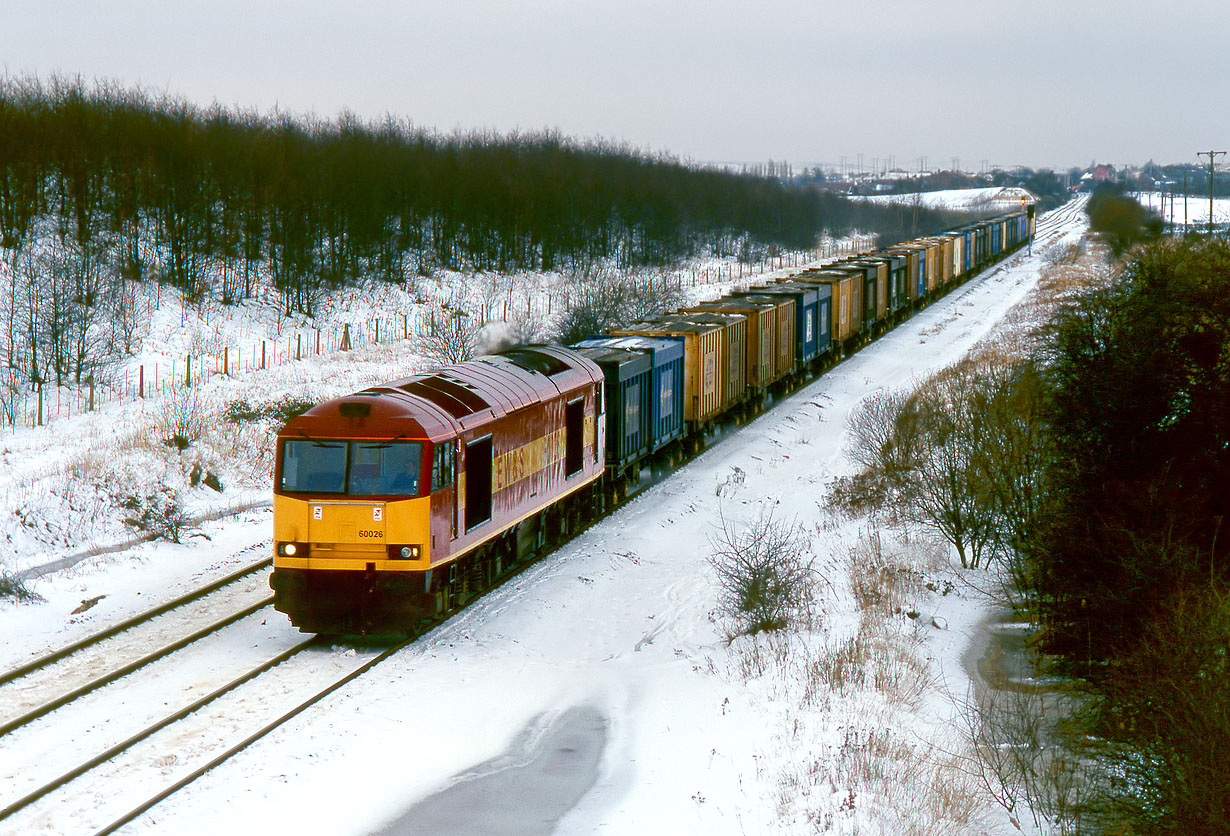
<point x="397" y="504"/>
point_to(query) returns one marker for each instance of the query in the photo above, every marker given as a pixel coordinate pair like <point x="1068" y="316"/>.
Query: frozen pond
<point x="523" y="792"/>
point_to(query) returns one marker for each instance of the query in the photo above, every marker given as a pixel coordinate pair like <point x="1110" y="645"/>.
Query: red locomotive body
<point x="400" y="501"/>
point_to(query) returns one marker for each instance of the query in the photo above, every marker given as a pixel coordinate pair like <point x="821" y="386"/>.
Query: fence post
<point x="40" y="404"/>
<point x="91" y="404"/>
<point x="299" y="345"/>
<point x="141" y="383"/>
<point x="377" y="329"/>
<point x="188" y="372"/>
<point x="226" y="360"/>
<point x="262" y="355"/>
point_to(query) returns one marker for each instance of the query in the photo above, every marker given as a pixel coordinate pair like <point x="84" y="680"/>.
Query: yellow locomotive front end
<point x="347" y="504"/>
<point x="353" y="531"/>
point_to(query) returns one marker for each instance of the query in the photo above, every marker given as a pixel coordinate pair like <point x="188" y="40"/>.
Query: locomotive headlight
<point x="409" y="552"/>
<point x="288" y="549"/>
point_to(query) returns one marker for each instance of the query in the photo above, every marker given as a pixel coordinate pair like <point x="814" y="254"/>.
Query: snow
<point x="995" y="198"/>
<point x="1194" y="210"/>
<point x="701" y="734"/>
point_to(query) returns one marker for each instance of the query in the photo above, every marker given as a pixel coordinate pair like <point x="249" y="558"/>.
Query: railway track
<point x="1054" y="223"/>
<point x="79" y="672"/>
<point x="163" y="756"/>
<point x="36" y="688"/>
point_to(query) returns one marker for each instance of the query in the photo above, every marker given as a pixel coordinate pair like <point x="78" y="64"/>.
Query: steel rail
<point x="252" y="738"/>
<point x="123" y="746"/>
<point x="108" y="678"/>
<point x="127" y="624"/>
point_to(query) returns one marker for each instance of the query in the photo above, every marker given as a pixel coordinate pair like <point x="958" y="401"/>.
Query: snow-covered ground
<point x="690" y="733"/>
<point x="996" y="199"/>
<point x="1192" y="210"/>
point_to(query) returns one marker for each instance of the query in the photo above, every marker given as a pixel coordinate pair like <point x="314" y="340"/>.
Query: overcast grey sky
<point x="1040" y="83"/>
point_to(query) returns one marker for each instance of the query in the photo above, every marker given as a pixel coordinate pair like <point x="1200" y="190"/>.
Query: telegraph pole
<point x="1212" y="155"/>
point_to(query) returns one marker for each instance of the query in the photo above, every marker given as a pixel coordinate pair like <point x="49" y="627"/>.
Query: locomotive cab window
<point x="385" y="468"/>
<point x="314" y="466"/>
<point x="352" y="468"/>
<point x="442" y="466"/>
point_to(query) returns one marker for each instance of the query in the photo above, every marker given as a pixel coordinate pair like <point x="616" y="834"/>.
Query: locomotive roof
<point x="443" y="402"/>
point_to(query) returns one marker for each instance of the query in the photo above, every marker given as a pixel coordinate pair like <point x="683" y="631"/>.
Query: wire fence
<point x="45" y="403"/>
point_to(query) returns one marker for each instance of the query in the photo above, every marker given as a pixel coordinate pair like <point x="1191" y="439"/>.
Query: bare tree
<point x="920" y="454"/>
<point x="940" y="487"/>
<point x="14" y="361"/>
<point x="1011" y="453"/>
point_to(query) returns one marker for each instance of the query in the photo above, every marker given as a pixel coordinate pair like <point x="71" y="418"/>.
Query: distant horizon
<point x="1051" y="86"/>
<point x="871" y="164"/>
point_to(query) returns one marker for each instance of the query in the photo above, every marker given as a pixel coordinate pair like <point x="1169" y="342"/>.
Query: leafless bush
<point x="759" y="654"/>
<point x="159" y="511"/>
<point x="877" y="657"/>
<point x="448" y="336"/>
<point x="14" y="588"/>
<point x="882" y="586"/>
<point x="872" y="428"/>
<point x="765" y="571"/>
<point x="183" y="419"/>
<point x="961" y="457"/>
<point x="913" y="788"/>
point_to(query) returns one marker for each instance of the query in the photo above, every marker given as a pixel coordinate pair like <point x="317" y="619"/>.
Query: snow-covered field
<point x="690" y="733"/>
<point x="1192" y="210"/>
<point x="996" y="199"/>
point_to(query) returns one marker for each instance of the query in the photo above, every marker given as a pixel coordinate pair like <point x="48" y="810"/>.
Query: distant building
<point x="1102" y="174"/>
